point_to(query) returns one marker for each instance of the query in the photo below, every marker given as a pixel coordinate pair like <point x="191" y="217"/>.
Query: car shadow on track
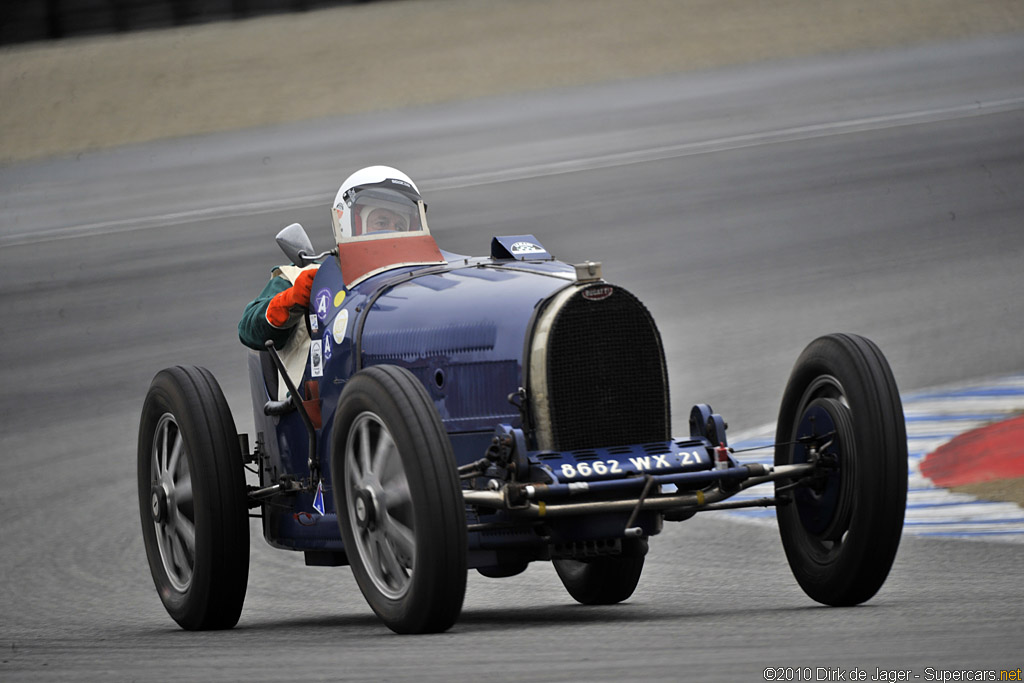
<point x="534" y="617"/>
<point x="505" y="618"/>
<point x="477" y="619"/>
<point x="639" y="612"/>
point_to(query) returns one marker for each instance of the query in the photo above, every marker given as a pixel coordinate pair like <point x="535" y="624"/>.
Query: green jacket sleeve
<point x="253" y="328"/>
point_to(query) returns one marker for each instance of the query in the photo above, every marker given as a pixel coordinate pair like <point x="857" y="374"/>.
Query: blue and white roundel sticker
<point x="323" y="303"/>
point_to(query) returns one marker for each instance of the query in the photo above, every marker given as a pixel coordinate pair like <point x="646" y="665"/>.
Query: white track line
<point x="588" y="163"/>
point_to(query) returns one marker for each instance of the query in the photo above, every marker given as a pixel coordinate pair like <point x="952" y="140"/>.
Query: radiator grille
<point x="606" y="372"/>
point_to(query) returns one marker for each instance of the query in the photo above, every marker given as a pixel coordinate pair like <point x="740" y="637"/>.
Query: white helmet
<point x="375" y="200"/>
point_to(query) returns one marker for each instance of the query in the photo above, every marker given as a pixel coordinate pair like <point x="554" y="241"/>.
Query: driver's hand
<point x="287" y="307"/>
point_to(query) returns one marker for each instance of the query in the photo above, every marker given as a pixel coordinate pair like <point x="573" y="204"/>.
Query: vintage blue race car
<point x="489" y="412"/>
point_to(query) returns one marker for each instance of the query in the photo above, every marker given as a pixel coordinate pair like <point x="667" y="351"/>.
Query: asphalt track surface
<point x="752" y="208"/>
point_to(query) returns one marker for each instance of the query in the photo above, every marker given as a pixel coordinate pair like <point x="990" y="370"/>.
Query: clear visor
<point x="376" y="210"/>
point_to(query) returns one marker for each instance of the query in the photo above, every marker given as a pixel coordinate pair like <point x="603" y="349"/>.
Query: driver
<point x="381" y="220"/>
<point x="371" y="201"/>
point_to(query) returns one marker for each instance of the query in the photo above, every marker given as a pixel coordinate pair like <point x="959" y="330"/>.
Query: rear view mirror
<point x="295" y="244"/>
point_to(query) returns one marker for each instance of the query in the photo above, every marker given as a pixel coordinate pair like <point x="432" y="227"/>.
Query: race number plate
<point x="601" y="464"/>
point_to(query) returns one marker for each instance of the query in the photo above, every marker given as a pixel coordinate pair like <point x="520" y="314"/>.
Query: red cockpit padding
<point x="359" y="259"/>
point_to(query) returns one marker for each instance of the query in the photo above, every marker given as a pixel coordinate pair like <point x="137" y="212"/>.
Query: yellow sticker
<point x="338" y="298"/>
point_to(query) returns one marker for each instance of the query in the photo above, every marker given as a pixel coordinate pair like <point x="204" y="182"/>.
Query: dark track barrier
<point x="24" y="21"/>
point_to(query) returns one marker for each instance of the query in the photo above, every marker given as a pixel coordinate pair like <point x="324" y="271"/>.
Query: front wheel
<point x="841" y="529"/>
<point x="192" y="499"/>
<point x="399" y="502"/>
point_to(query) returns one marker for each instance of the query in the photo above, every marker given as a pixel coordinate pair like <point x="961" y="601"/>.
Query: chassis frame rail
<point x="531" y="500"/>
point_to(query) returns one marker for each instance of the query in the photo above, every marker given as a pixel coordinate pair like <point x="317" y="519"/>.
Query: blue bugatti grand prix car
<point x="489" y="412"/>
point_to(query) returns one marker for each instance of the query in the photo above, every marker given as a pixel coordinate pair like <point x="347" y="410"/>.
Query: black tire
<point x="400" y="507"/>
<point x="192" y="499"/>
<point x="603" y="580"/>
<point x="841" y="534"/>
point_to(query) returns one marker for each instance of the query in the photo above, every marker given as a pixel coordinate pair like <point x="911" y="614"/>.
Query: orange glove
<point x="285" y="309"/>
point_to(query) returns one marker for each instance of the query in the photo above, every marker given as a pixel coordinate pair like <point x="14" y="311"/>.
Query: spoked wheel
<point x="192" y="499"/>
<point x="399" y="502"/>
<point x="604" y="580"/>
<point x="841" y="529"/>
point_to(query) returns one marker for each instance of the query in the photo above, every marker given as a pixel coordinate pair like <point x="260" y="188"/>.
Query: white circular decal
<point x="526" y="248"/>
<point x="340" y="325"/>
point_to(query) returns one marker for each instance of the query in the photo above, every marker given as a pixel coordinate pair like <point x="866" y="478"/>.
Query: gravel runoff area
<point x="1007" y="490"/>
<point x="80" y="94"/>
